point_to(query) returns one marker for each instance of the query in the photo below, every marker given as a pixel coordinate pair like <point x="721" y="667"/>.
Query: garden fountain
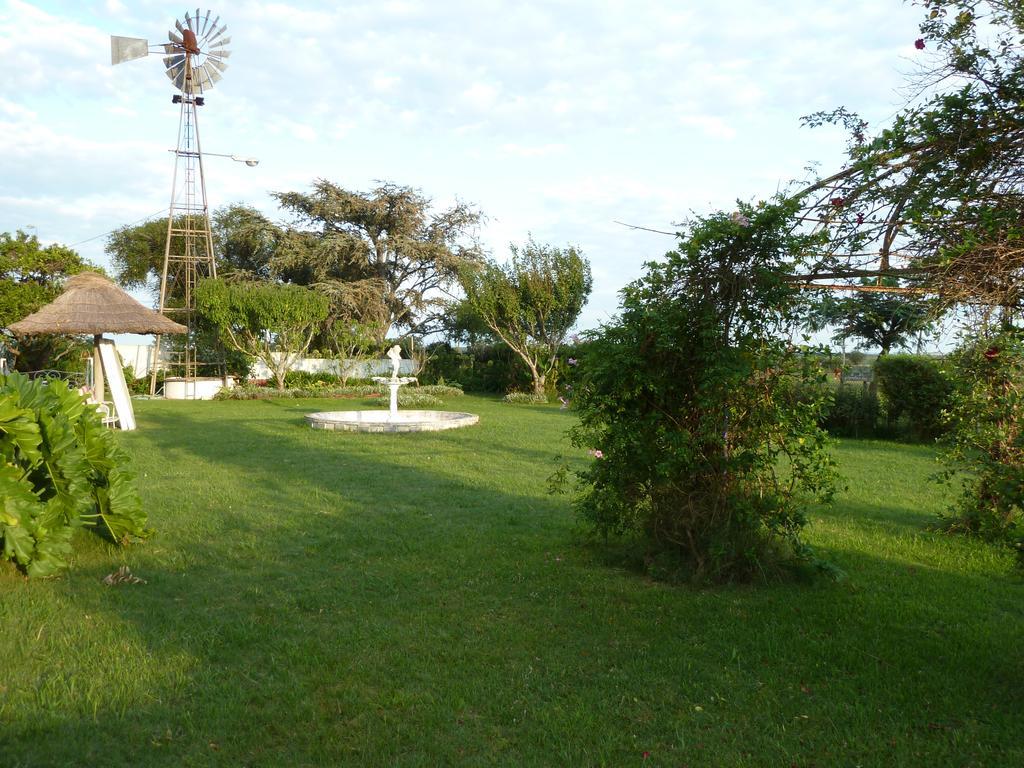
<point x="391" y="420"/>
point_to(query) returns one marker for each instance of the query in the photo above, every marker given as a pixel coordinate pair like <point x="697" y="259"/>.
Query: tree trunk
<point x="538" y="381"/>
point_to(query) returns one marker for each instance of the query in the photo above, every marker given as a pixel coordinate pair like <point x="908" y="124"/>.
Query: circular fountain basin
<point x="384" y="421"/>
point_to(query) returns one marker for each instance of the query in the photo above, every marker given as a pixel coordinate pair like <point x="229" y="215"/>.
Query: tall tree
<point x="874" y="318"/>
<point x="938" y="195"/>
<point x="244" y="241"/>
<point x="32" y="275"/>
<point x="271" y="322"/>
<point x="531" y="302"/>
<point x="391" y="234"/>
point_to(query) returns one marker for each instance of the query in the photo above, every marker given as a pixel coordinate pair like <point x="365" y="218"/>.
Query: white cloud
<point x="481" y="96"/>
<point x="711" y="125"/>
<point x="537" y="150"/>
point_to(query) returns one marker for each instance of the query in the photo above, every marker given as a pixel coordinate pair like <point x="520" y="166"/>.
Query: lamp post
<point x="252" y="162"/>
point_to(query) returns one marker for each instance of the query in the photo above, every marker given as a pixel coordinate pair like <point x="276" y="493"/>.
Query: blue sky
<point x="555" y="118"/>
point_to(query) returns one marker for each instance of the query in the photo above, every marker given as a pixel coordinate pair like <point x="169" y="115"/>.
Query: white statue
<point x="395" y="353"/>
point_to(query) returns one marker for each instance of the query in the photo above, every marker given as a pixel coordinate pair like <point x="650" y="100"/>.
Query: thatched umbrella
<point x="91" y="304"/>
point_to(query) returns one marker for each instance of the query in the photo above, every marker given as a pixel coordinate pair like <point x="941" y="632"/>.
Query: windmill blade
<point x="210" y="75"/>
<point x="217" y="34"/>
<point x="124" y="49"/>
<point x="188" y="22"/>
<point x="171" y="48"/>
<point x="213" y="25"/>
<point x="208" y="39"/>
<point x="220" y="53"/>
<point x="173" y="61"/>
<point x="221" y="45"/>
<point x="175" y="38"/>
<point x="221" y="65"/>
<point x="206" y="20"/>
<point x="177" y="26"/>
<point x="202" y="77"/>
<point x="179" y="81"/>
<point x="174" y="72"/>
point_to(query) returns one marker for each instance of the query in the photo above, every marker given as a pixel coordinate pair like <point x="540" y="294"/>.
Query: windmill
<point x="194" y="59"/>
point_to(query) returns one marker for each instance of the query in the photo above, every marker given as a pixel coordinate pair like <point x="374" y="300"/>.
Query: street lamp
<point x="252" y="162"/>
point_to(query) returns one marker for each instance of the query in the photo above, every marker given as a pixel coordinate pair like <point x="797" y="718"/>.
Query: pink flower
<point x="860" y="218"/>
<point x="596" y="453"/>
<point x="572" y="361"/>
<point x="919" y="43"/>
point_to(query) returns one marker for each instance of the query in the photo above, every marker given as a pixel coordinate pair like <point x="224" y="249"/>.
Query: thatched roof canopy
<point x="91" y="304"/>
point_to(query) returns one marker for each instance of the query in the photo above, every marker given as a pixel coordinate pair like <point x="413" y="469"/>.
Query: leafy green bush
<point x="310" y="380"/>
<point x="410" y="397"/>
<point x="852" y="413"/>
<point x="480" y="368"/>
<point x="139" y="385"/>
<point x="440" y="390"/>
<point x="252" y="392"/>
<point x="413" y="399"/>
<point x="914" y="389"/>
<point x="985" y="442"/>
<point x="525" y="398"/>
<point x="60" y="469"/>
<point x="703" y="422"/>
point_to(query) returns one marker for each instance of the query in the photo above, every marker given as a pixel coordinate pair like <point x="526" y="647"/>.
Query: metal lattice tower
<point x="188" y="252"/>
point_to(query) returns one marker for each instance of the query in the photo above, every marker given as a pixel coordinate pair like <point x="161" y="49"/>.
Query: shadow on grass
<point x="326" y="599"/>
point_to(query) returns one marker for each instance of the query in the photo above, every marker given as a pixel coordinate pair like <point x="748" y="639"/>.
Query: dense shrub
<point x="491" y="368"/>
<point x="256" y="392"/>
<point x="60" y="469"/>
<point x="913" y="389"/>
<point x="411" y="398"/>
<point x="525" y="398"/>
<point x="701" y="420"/>
<point x="440" y="390"/>
<point x="985" y="443"/>
<point x="853" y="411"/>
<point x="309" y="380"/>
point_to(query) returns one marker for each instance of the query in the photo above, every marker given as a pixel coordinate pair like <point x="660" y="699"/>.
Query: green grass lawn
<point x="319" y="598"/>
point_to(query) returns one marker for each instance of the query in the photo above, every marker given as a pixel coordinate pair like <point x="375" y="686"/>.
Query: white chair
<point x="107" y="412"/>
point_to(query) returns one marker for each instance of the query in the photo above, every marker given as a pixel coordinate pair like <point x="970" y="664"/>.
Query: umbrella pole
<point x="97" y="370"/>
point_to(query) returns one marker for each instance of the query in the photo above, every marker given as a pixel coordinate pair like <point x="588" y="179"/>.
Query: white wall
<point x="138" y="356"/>
<point x="135" y="355"/>
<point x="357" y="369"/>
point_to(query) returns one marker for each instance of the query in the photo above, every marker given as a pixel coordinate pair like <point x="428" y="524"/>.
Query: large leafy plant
<point x="60" y="469"/>
<point x="701" y="417"/>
